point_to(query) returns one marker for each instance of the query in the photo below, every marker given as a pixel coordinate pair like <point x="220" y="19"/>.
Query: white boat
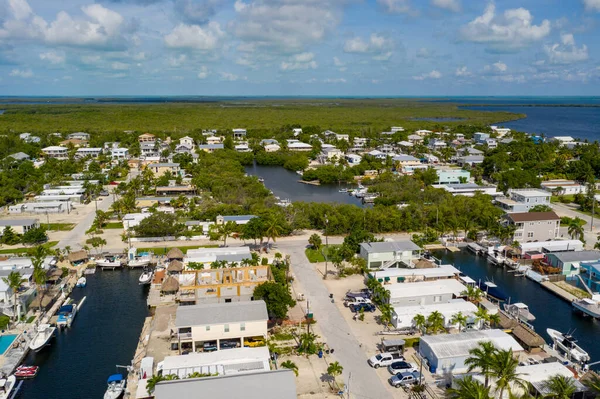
<point x="6" y="386"/>
<point x="587" y="306"/>
<point x="567" y="344"/>
<point x="82" y="282"/>
<point x="66" y="314"/>
<point x="109" y="263"/>
<point x="343" y="190"/>
<point x="139" y="262"/>
<point x="146" y="277"/>
<point x="284" y="203"/>
<point x="494" y="255"/>
<point x="116" y="386"/>
<point x="519" y="311"/>
<point x="42" y="337"/>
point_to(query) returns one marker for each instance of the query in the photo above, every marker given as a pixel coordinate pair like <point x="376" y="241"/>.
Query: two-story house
<point x="480" y="137"/>
<point x="187" y="141"/>
<point x="382" y="255"/>
<point x="534" y="226"/>
<point x="93" y="152"/>
<point x="523" y="200"/>
<point x="217" y="326"/>
<point x="119" y="153"/>
<point x="146" y="138"/>
<point x="55" y="151"/>
<point x="453" y="176"/>
<point x="239" y="134"/>
<point x="79" y="136"/>
<point x="159" y="169"/>
<point x="570" y="261"/>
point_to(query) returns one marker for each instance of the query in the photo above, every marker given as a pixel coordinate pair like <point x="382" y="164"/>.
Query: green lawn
<point x="163" y="251"/>
<point x="113" y="225"/>
<point x="315" y="256"/>
<point x="26" y="250"/>
<point x="556" y="199"/>
<point x="59" y="226"/>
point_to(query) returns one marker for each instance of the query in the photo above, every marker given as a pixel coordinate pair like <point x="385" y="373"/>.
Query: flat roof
<point x="531" y="192"/>
<point x="423" y="288"/>
<point x="576" y="256"/>
<point x="18" y="222"/>
<point x="279" y="384"/>
<point x="237" y="218"/>
<point x="219" y="313"/>
<point x="447" y="309"/>
<point x="165" y="165"/>
<point x="532" y="216"/>
<point x="389" y="246"/>
<point x="441" y="271"/>
<point x="458" y="345"/>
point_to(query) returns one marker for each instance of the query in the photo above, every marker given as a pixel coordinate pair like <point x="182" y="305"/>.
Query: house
<point x="590" y="273"/>
<point x="183" y="149"/>
<point x="331" y="154"/>
<point x="119" y="153"/>
<point x="564" y="187"/>
<point x="360" y="142"/>
<point x="468" y="189"/>
<point x="430" y="159"/>
<point x="423" y="133"/>
<point x="405" y="144"/>
<point x="353" y="159"/>
<point x="405" y="275"/>
<point x="206" y="256"/>
<point x="551" y="246"/>
<point x="207" y="327"/>
<point x="562" y="140"/>
<point x="377" y="154"/>
<point x="522" y="200"/>
<point x="491" y="143"/>
<point x="272" y="147"/>
<point x="279" y="384"/>
<point x="500" y="131"/>
<point x="146" y="138"/>
<point x="20" y="156"/>
<point x="159" y="169"/>
<point x="88" y="152"/>
<point x="238" y="219"/>
<point x="437" y="144"/>
<point x="146" y="202"/>
<point x="415" y="138"/>
<point x="297" y="132"/>
<point x="403" y="316"/>
<point x="209" y="132"/>
<point x="148" y="149"/>
<point x="214" y="140"/>
<point x="242" y="147"/>
<point x="40" y="207"/>
<point x="424" y="292"/>
<point x="480" y="138"/>
<point x="296" y="145"/>
<point x="176" y="190"/>
<point x="79" y="136"/>
<point x="132" y="220"/>
<point x="446" y="353"/>
<point x="29" y="138"/>
<point x="211" y="147"/>
<point x="453" y="176"/>
<point x="19" y="226"/>
<point x="382" y="255"/>
<point x="53" y="198"/>
<point x="534" y="226"/>
<point x="570" y="262"/>
<point x="187" y="141"/>
<point x="56" y="152"/>
<point x="404" y="160"/>
<point x="469" y="160"/>
<point x="469" y="151"/>
<point x="396" y="129"/>
<point x="239" y="134"/>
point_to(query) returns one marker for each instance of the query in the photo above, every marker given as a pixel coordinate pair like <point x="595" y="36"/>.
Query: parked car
<point x="364" y="293"/>
<point x="385" y="359"/>
<point x="356" y="300"/>
<point x="405" y="379"/>
<point x="401" y="367"/>
<point x="366" y="307"/>
<point x="104" y="193"/>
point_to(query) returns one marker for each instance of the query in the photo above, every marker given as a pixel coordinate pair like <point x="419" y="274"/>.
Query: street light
<point x="326" y="245"/>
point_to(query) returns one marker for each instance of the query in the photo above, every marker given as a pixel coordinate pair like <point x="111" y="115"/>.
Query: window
<point x="226" y="327"/>
<point x="207" y="328"/>
<point x="243" y="327"/>
<point x="530" y="234"/>
<point x="518" y="234"/>
<point x="437" y="299"/>
<point x="227" y="300"/>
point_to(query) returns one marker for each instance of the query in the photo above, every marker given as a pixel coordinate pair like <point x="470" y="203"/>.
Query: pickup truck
<point x="356" y="300"/>
<point x="366" y="307"/>
<point x="385" y="359"/>
<point x="401" y="367"/>
<point x="364" y="293"/>
<point x="404" y="379"/>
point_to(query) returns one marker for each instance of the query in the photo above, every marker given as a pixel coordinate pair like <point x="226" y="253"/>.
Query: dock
<point x="453" y="249"/>
<point x="15" y="355"/>
<point x="567" y="296"/>
<point x="312" y="183"/>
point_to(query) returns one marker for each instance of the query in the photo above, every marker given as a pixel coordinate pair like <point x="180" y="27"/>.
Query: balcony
<point x="185" y="336"/>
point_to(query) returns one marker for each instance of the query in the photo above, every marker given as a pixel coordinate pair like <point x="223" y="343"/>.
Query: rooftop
<point x="532" y="216"/>
<point x="389" y="246"/>
<point x="237" y="218"/>
<point x="447" y="309"/>
<point x="576" y="256"/>
<point x="18" y="222"/>
<point x="219" y="313"/>
<point x="459" y="345"/>
<point x="531" y="192"/>
<point x="424" y="288"/>
<point x="163" y="165"/>
<point x="442" y="271"/>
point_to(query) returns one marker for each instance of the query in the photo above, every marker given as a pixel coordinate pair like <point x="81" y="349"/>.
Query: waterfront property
<point x="570" y="262"/>
<point x="217" y="326"/>
<point x="279" y="384"/>
<point x="19" y="226"/>
<point x="534" y="226"/>
<point x="206" y="256"/>
<point x="590" y="273"/>
<point x="468" y="189"/>
<point x="403" y="316"/>
<point x="550" y="246"/>
<point x="382" y="255"/>
<point x="452" y="176"/>
<point x="523" y="200"/>
<point x="405" y="275"/>
<point x="564" y="187"/>
<point x="425" y="292"/>
<point x="446" y="353"/>
<point x="297" y="145"/>
<point x="131" y="220"/>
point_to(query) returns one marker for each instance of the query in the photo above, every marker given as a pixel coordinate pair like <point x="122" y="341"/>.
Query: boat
<point x="26" y="372"/>
<point x="42" y="337"/>
<point x="139" y="262"/>
<point x="108" y="263"/>
<point x="82" y="282"/>
<point x="146" y="277"/>
<point x="568" y="344"/>
<point x="343" y="190"/>
<point x="116" y="386"/>
<point x="492" y="290"/>
<point x="519" y="311"/>
<point x="66" y="314"/>
<point x="495" y="257"/>
<point x="6" y="386"/>
<point x="588" y="306"/>
<point x="283" y="203"/>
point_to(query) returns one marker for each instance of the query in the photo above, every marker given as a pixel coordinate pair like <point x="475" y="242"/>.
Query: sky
<point x="299" y="47"/>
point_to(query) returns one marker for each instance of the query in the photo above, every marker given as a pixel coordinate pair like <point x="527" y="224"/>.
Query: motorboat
<point x="343" y="190"/>
<point x="116" y="386"/>
<point x="519" y="311"/>
<point x="42" y="337"/>
<point x="284" y="203"/>
<point x="66" y="314"/>
<point x="495" y="257"/>
<point x="139" y="262"/>
<point x="492" y="290"/>
<point x="588" y="306"/>
<point x="567" y="344"/>
<point x="26" y="372"/>
<point x="82" y="282"/>
<point x="6" y="386"/>
<point x="108" y="263"/>
<point x="146" y="277"/>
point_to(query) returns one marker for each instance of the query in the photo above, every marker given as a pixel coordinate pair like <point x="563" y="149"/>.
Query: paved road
<point x="365" y="383"/>
<point x="590" y="236"/>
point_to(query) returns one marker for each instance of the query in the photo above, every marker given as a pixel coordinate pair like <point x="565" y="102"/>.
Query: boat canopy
<point x="115" y="378"/>
<point x="66" y="309"/>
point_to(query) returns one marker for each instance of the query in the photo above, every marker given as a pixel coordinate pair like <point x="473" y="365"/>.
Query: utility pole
<point x="326" y="245"/>
<point x="307" y="316"/>
<point x="593" y="211"/>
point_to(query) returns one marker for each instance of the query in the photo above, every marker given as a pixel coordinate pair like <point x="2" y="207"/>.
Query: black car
<point x="366" y="307"/>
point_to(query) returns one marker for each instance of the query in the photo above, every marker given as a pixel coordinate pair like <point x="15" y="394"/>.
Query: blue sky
<point x="299" y="47"/>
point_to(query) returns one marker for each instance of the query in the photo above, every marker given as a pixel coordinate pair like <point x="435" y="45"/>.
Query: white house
<point x="187" y="141"/>
<point x="329" y="154"/>
<point x="425" y="292"/>
<point x="56" y="152"/>
<point x="491" y="143"/>
<point x="297" y="145"/>
<point x="131" y="220"/>
<point x="88" y="152"/>
<point x="353" y="159"/>
<point x="119" y="153"/>
<point x="396" y="129"/>
<point x="500" y="131"/>
<point x="437" y="144"/>
<point x="381" y="255"/>
<point x="566" y="187"/>
<point x="360" y="142"/>
<point x="423" y="133"/>
<point x="239" y="134"/>
<point x="562" y="140"/>
<point x="19" y="226"/>
<point x="29" y="138"/>
<point x="297" y="132"/>
<point x="79" y="136"/>
<point x="403" y="316"/>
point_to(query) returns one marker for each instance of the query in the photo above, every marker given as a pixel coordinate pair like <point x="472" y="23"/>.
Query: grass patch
<point x="163" y="251"/>
<point x="282" y="336"/>
<point x="26" y="250"/>
<point x="315" y="256"/>
<point x="59" y="226"/>
<point x="578" y="292"/>
<point x="113" y="225"/>
<point x="30" y="319"/>
<point x="566" y="199"/>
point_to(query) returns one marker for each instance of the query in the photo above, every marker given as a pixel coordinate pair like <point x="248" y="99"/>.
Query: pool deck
<point x="14" y="356"/>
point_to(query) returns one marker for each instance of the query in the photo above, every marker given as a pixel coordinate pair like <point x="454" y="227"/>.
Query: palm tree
<point x="503" y="369"/>
<point x="593" y="383"/>
<point x="420" y="323"/>
<point x="436" y="322"/>
<point x="386" y="314"/>
<point x="494" y="319"/>
<point x="473" y="294"/>
<point x="560" y="387"/>
<point x="334" y="369"/>
<point x="480" y="359"/>
<point x="315" y="241"/>
<point x="14" y="281"/>
<point x="483" y="316"/>
<point x="40" y="277"/>
<point x="459" y="319"/>
<point x="223" y="231"/>
<point x="575" y="229"/>
<point x="155" y="379"/>
<point x="288" y="364"/>
<point x="469" y="388"/>
<point x="273" y="228"/>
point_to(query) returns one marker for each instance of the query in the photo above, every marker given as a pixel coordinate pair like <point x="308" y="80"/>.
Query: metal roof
<point x="458" y="345"/>
<point x="576" y="256"/>
<point x="389" y="246"/>
<point x="18" y="222"/>
<point x="220" y="313"/>
<point x="425" y="288"/>
<point x="237" y="218"/>
<point x="532" y="216"/>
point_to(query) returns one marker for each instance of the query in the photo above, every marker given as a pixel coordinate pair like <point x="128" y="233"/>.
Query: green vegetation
<point x="113" y="225"/>
<point x="26" y="251"/>
<point x="276" y="294"/>
<point x="164" y="251"/>
<point x="59" y="226"/>
<point x="318" y="255"/>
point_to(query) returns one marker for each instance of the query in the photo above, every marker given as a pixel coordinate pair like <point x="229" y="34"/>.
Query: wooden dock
<point x="312" y="183"/>
<point x="453" y="249"/>
<point x="567" y="296"/>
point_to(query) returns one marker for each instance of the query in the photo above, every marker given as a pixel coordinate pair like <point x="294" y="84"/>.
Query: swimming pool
<point x="6" y="341"/>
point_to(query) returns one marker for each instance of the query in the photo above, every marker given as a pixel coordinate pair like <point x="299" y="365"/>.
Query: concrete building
<point x="206" y="327"/>
<point x="239" y="134"/>
<point x="446" y="353"/>
<point x="56" y="152"/>
<point x="403" y="316"/>
<point x="119" y="153"/>
<point x="382" y="255"/>
<point x="570" y="262"/>
<point x="523" y="200"/>
<point x="453" y="176"/>
<point x="425" y="293"/>
<point x="159" y="169"/>
<point x="404" y="275"/>
<point x="79" y="136"/>
<point x="19" y="226"/>
<point x="564" y="187"/>
<point x="93" y="152"/>
<point x="534" y="226"/>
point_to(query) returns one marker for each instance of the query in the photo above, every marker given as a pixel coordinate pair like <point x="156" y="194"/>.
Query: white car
<point x="385" y="359"/>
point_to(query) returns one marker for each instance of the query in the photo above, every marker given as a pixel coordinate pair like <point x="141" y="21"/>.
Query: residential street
<point x="590" y="236"/>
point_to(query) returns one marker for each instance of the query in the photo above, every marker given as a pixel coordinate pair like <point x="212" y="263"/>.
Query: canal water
<point x="550" y="310"/>
<point x="105" y="333"/>
<point x="284" y="184"/>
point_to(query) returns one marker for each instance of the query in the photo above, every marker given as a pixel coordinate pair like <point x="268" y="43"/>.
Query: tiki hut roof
<point x="175" y="266"/>
<point x="175" y="253"/>
<point x="424" y="264"/>
<point x="528" y="337"/>
<point x="170" y="285"/>
<point x="506" y="322"/>
<point x="54" y="275"/>
<point x="78" y="256"/>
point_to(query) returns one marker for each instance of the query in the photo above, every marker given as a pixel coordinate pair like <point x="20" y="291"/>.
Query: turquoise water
<point x="6" y="341"/>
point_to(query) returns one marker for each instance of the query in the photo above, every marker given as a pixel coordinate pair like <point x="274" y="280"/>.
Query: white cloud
<point x="178" y="61"/>
<point x="53" y="57"/>
<point x="592" y="5"/>
<point x="141" y="56"/>
<point x="452" y="5"/>
<point x="337" y="62"/>
<point x="463" y="72"/>
<point x="510" y="31"/>
<point x="566" y="52"/>
<point x="119" y="66"/>
<point x="395" y="6"/>
<point x="230" y="77"/>
<point x="21" y="73"/>
<point x="431" y="75"/>
<point x="20" y="9"/>
<point x="378" y="45"/>
<point x="195" y="37"/>
<point x="299" y="61"/>
<point x="510" y="78"/>
<point x="203" y="74"/>
<point x="334" y="80"/>
<point x="500" y="66"/>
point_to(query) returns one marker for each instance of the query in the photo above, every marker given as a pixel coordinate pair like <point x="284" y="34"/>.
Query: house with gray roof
<point x="570" y="261"/>
<point x="383" y="255"/>
<point x="237" y="219"/>
<point x="20" y="156"/>
<point x="19" y="226"/>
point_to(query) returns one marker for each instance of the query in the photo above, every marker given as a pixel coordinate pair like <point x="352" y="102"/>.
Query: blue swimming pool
<point x="6" y="341"/>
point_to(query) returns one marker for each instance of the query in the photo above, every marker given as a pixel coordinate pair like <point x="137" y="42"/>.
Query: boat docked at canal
<point x="139" y="262"/>
<point x="26" y="372"/>
<point x="43" y="334"/>
<point x="109" y="263"/>
<point x="116" y="386"/>
<point x="588" y="306"/>
<point x="66" y="314"/>
<point x="519" y="311"/>
<point x="81" y="283"/>
<point x="568" y="345"/>
<point x="6" y="387"/>
<point x="491" y="290"/>
<point x="146" y="277"/>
